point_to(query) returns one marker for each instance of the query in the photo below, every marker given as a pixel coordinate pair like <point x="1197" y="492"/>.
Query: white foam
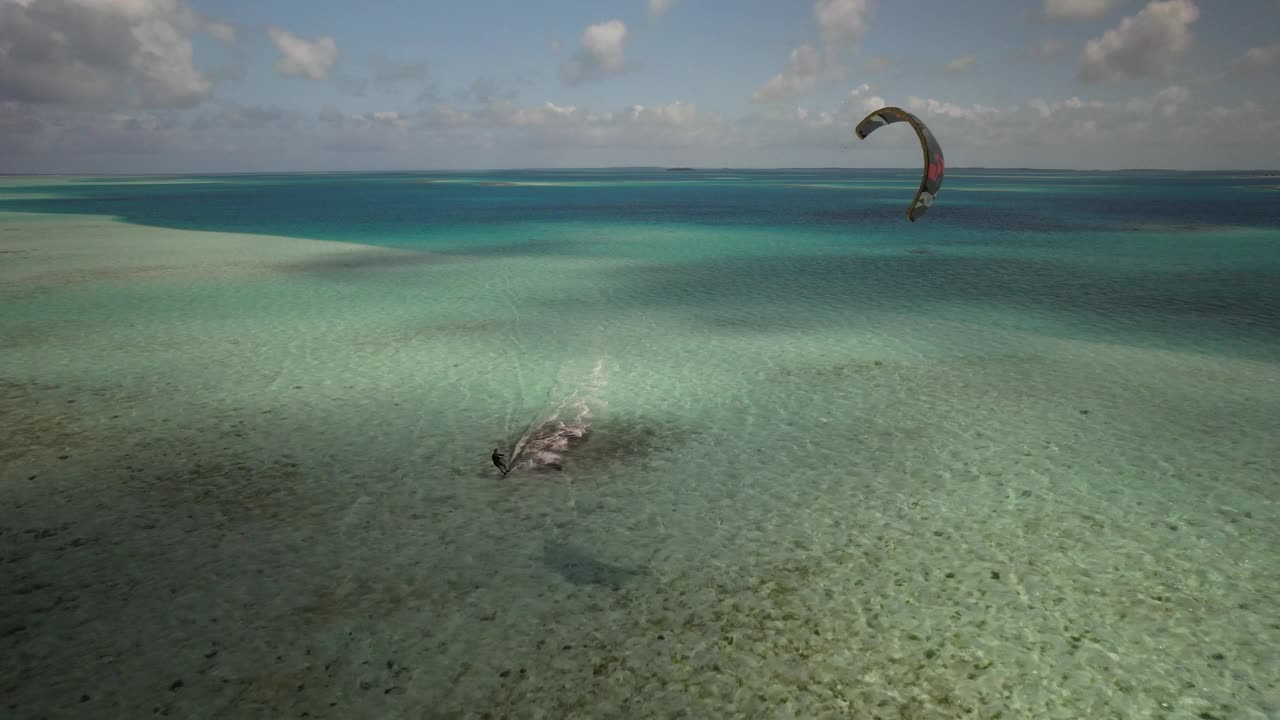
<point x="547" y="443"/>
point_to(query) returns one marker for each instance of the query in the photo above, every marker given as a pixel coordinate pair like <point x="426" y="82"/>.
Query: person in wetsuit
<point x="498" y="462"/>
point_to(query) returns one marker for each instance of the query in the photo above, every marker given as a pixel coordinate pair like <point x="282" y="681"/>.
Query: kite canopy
<point x="933" y="166"/>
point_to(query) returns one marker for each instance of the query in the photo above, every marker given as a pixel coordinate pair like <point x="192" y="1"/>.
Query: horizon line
<point x="620" y="167"/>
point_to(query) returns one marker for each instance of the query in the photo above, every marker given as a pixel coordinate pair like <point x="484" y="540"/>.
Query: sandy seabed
<point x="247" y="477"/>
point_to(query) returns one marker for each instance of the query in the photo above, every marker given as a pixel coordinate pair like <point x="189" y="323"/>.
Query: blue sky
<point x="231" y="85"/>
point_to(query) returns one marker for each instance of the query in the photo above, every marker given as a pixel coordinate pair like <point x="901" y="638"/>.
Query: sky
<point x="173" y="86"/>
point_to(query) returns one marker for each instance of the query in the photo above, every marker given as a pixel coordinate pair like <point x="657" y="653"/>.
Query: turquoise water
<point x="778" y="451"/>
<point x="1177" y="259"/>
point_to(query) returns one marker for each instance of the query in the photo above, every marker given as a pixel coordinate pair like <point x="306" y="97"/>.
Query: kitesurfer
<point x="498" y="462"/>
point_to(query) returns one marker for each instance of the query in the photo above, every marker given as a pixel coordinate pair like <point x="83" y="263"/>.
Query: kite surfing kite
<point x="933" y="167"/>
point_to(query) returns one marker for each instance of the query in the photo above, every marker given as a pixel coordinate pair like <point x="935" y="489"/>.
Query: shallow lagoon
<point x="1016" y="457"/>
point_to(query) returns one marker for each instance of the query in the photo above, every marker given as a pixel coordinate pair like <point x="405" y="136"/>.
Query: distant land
<point x="1272" y="172"/>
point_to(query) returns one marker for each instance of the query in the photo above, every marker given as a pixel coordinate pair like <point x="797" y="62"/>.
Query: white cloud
<point x="306" y="58"/>
<point x="604" y="42"/>
<point x="222" y="32"/>
<point x="1051" y="47"/>
<point x="1165" y="103"/>
<point x="1246" y="109"/>
<point x="388" y="72"/>
<point x="331" y="115"/>
<point x="382" y="131"/>
<point x="842" y="21"/>
<point x="804" y="67"/>
<point x="975" y="113"/>
<point x="773" y="126"/>
<point x="446" y="117"/>
<point x="1145" y="44"/>
<point x="386" y="117"/>
<point x="876" y="65"/>
<point x="1254" y="60"/>
<point x="1078" y="9"/>
<point x="860" y="102"/>
<point x="1151" y="121"/>
<point x="95" y="53"/>
<point x="601" y="53"/>
<point x="675" y="124"/>
<point x="660" y="7"/>
<point x="1067" y="132"/>
<point x="548" y="125"/>
<point x="234" y="116"/>
<point x="961" y="64"/>
<point x="483" y="91"/>
<point x="1262" y="55"/>
<point x="164" y="62"/>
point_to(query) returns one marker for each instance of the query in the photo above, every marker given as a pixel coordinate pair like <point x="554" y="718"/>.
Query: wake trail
<point x="545" y="442"/>
<point x="515" y="349"/>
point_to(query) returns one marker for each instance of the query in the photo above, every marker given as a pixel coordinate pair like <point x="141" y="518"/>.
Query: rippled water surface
<point x="775" y="450"/>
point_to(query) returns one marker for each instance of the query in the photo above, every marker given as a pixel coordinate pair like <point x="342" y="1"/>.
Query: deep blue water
<point x="400" y="209"/>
